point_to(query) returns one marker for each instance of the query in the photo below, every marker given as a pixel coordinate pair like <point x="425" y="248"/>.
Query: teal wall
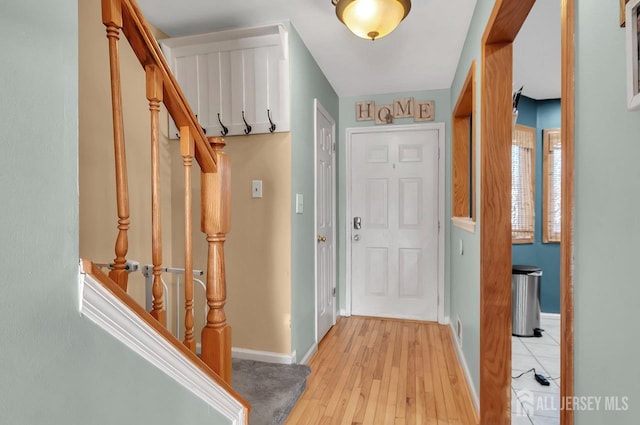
<point x="465" y="266"/>
<point x="442" y="100"/>
<point x="307" y="83"/>
<point x="606" y="226"/>
<point x="541" y="114"/>
<point x="58" y="368"/>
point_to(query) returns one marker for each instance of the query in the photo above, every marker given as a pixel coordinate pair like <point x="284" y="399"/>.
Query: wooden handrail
<point x="148" y="52"/>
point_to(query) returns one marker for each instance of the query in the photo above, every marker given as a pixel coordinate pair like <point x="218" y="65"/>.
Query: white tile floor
<point x="532" y="403"/>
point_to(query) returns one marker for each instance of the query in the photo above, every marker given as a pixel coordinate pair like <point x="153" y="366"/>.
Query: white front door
<point x="394" y="223"/>
<point x="325" y="221"/>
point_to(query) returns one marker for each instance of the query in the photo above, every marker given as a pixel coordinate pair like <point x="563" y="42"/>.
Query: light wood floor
<point x="374" y="371"/>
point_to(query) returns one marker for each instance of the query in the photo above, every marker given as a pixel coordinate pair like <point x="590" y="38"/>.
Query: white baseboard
<point x="305" y="359"/>
<point x="465" y="368"/>
<point x="552" y="316"/>
<point x="263" y="356"/>
<point x="343" y="312"/>
<point x="446" y="321"/>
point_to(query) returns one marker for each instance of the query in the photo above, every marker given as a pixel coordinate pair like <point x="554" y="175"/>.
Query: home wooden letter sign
<point x="365" y="111"/>
<point x="384" y="114"/>
<point x="405" y="107"/>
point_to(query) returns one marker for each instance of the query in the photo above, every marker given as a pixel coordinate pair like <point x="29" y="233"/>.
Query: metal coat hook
<point x="272" y="126"/>
<point x="225" y="130"/>
<point x="247" y="129"/>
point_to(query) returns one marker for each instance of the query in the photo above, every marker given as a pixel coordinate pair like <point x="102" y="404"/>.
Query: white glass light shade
<point x="372" y="18"/>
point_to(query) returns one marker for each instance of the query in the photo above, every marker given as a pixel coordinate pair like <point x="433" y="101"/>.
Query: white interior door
<point x="325" y="221"/>
<point x="394" y="224"/>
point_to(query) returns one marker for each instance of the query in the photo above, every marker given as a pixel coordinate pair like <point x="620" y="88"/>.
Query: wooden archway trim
<point x="566" y="237"/>
<point x="506" y="20"/>
<point x="495" y="237"/>
<point x="495" y="209"/>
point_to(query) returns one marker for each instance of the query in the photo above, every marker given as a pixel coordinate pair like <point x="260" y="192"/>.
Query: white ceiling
<point x="421" y="54"/>
<point x="536" y="52"/>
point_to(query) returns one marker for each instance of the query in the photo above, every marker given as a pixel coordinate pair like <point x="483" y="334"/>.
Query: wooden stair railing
<point x="162" y="87"/>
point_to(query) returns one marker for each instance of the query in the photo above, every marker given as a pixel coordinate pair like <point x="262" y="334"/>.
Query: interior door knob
<point x="322" y="239"/>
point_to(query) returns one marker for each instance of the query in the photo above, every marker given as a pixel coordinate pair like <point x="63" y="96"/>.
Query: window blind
<point x="523" y="184"/>
<point x="552" y="175"/>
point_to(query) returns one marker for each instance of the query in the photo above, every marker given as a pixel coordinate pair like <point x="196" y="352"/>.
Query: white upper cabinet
<point x="238" y="79"/>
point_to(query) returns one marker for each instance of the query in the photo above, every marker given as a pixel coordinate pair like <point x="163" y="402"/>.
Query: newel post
<point x="112" y="19"/>
<point x="216" y="204"/>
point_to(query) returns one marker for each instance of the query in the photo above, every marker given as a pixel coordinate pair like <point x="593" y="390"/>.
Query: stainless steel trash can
<point x="525" y="308"/>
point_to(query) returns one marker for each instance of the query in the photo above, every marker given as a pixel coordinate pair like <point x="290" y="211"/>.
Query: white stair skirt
<point x="106" y="310"/>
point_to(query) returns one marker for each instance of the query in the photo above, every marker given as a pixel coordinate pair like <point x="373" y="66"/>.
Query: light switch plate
<point x="299" y="203"/>
<point x="256" y="189"/>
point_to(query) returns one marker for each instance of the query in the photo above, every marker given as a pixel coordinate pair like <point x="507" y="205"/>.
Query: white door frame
<point x="441" y="190"/>
<point x="318" y="108"/>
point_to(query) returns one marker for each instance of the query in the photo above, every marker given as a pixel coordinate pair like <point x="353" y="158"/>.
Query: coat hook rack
<point x="247" y="129"/>
<point x="225" y="130"/>
<point x="272" y="126"/>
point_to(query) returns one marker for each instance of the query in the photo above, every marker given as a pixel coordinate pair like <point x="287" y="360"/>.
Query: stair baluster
<point x="112" y="19"/>
<point x="186" y="150"/>
<point x="154" y="95"/>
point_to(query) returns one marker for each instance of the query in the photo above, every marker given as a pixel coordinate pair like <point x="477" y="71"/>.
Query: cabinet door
<point x="279" y="88"/>
<point x="258" y="77"/>
<point x="242" y="89"/>
<point x="216" y="88"/>
<point x="270" y="81"/>
<point x="205" y="81"/>
<point x="186" y="73"/>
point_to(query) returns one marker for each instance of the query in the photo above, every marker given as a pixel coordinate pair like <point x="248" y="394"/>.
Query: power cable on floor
<point x="542" y="380"/>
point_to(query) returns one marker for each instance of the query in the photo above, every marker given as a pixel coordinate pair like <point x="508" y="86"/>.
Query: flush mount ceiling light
<point x="371" y="18"/>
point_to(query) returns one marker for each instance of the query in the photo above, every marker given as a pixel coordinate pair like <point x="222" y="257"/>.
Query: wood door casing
<point x="495" y="287"/>
<point x="495" y="209"/>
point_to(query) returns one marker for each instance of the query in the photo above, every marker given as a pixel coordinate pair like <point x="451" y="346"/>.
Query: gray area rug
<point x="271" y="389"/>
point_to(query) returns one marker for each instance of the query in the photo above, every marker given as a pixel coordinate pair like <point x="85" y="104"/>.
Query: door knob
<point x="356" y="238"/>
<point x="322" y="239"/>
